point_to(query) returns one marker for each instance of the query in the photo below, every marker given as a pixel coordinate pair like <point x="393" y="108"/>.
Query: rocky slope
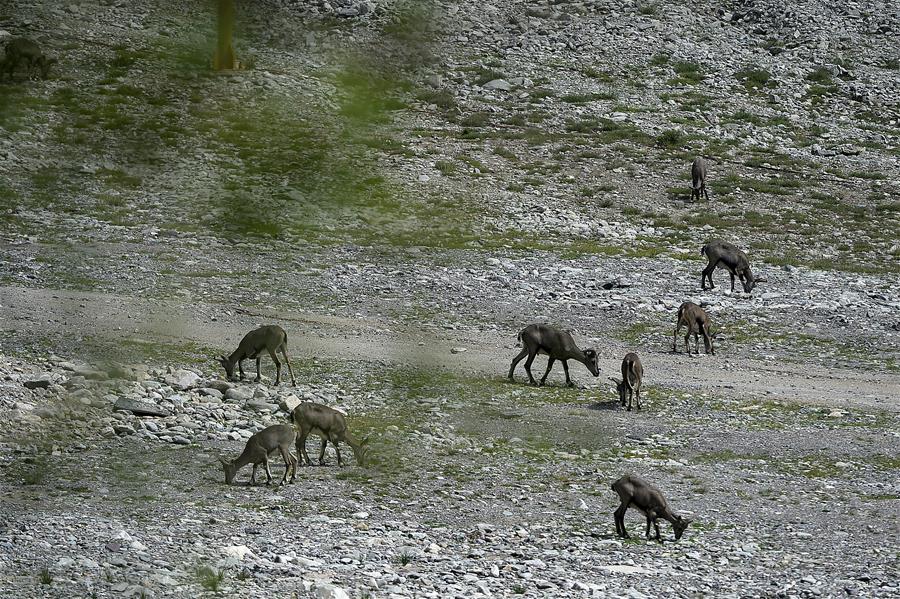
<point x="403" y="185"/>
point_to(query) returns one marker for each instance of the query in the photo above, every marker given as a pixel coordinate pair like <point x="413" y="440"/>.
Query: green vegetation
<point x="593" y="73"/>
<point x="755" y="77"/>
<point x="446" y="167"/>
<point x="403" y="558"/>
<point x="648" y="8"/>
<point x="659" y="59"/>
<point x="687" y="73"/>
<point x="442" y="98"/>
<point x="584" y="98"/>
<point x="506" y="153"/>
<point x="209" y="578"/>
<point x="773" y="45"/>
<point x="820" y="75"/>
<point x="671" y="138"/>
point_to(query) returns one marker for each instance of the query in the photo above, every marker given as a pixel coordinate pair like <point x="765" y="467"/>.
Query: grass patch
<point x="687" y="73"/>
<point x="539" y="93"/>
<point x="209" y="578"/>
<point x="648" y="8"/>
<point x="671" y="138"/>
<point x="440" y="97"/>
<point x="506" y="153"/>
<point x="445" y="167"/>
<point x="773" y="46"/>
<point x="890" y="64"/>
<point x="482" y="75"/>
<point x="403" y="558"/>
<point x="755" y="78"/>
<point x="820" y="75"/>
<point x="659" y="59"/>
<point x="584" y="98"/>
<point x="593" y="73"/>
<point x="476" y="119"/>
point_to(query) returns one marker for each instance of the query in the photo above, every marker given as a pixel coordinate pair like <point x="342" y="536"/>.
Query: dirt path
<point x="109" y="317"/>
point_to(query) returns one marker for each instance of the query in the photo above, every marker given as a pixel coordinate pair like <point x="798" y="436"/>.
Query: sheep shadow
<point x="605" y="406"/>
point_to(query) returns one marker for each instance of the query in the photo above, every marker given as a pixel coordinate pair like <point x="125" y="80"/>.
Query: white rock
<point x="330" y="591"/>
<point x="182" y="380"/>
<point x="237" y="551"/>
<point x="622" y="569"/>
<point x="501" y="84"/>
<point x="289" y="402"/>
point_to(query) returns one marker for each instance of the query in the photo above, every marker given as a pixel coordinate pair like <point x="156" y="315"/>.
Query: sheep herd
<point x="555" y="343"/>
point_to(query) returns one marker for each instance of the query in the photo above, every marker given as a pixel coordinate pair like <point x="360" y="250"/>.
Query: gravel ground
<point x="403" y="186"/>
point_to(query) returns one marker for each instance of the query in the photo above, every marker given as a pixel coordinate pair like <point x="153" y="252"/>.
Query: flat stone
<point x="501" y="84"/>
<point x="210" y="392"/>
<point x="262" y="406"/>
<point x="140" y="408"/>
<point x="123" y="429"/>
<point x="235" y="394"/>
<point x="623" y="569"/>
<point x="237" y="551"/>
<point x="330" y="591"/>
<point x="42" y="382"/>
<point x="182" y="380"/>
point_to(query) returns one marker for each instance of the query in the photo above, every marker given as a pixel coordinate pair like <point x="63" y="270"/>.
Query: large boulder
<point x="182" y="380"/>
<point x="330" y="591"/>
<point x="140" y="408"/>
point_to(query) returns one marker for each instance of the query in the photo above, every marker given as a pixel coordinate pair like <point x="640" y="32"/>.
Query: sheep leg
<point x="322" y="451"/>
<point x="528" y="364"/>
<point x="277" y="366"/>
<point x="516" y="361"/>
<point x="288" y="362"/>
<point x="549" y="367"/>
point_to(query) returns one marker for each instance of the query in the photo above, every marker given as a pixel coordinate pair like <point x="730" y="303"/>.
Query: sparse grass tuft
<point x="755" y="77"/>
<point x="648" y="8"/>
<point x="820" y="75"/>
<point x="659" y="59"/>
<point x="440" y="97"/>
<point x="445" y="167"/>
<point x="403" y="558"/>
<point x="476" y="119"/>
<point x="44" y="576"/>
<point x="209" y="578"/>
<point x="483" y="75"/>
<point x="687" y="72"/>
<point x="671" y="138"/>
<point x="584" y="98"/>
<point x="506" y="153"/>
<point x="597" y="74"/>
